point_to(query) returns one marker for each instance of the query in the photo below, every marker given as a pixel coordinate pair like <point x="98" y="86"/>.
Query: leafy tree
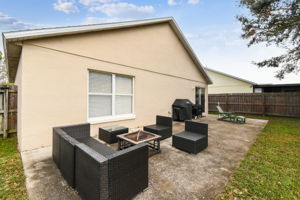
<point x="274" y="22"/>
<point x="3" y="70"/>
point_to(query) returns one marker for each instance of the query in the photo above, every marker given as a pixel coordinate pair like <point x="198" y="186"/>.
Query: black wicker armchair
<point x="95" y="170"/>
<point x="194" y="139"/>
<point x="163" y="127"/>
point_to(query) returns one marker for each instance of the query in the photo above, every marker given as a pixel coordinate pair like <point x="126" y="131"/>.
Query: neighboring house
<point x="119" y="73"/>
<point x="275" y="88"/>
<point x="225" y="83"/>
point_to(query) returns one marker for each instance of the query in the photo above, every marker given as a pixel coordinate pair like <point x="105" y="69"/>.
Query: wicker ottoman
<point x="109" y="134"/>
<point x="191" y="143"/>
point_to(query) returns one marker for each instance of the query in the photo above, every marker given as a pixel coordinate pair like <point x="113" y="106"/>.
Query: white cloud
<point x="66" y="6"/>
<point x="100" y="20"/>
<point x="124" y="10"/>
<point x="224" y="50"/>
<point x="224" y="37"/>
<point x="193" y="2"/>
<point x="174" y="3"/>
<point x="192" y="36"/>
<point x="91" y="2"/>
<point x="180" y="2"/>
<point x="8" y="23"/>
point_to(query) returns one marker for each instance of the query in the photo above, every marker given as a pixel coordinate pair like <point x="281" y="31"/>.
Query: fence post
<point x="226" y="102"/>
<point x="264" y="104"/>
<point x="5" y="114"/>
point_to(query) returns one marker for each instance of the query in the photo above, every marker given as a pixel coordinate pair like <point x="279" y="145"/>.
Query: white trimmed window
<point x="110" y="97"/>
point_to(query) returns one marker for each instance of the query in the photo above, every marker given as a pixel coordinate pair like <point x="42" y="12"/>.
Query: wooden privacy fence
<point x="276" y="104"/>
<point x="8" y="109"/>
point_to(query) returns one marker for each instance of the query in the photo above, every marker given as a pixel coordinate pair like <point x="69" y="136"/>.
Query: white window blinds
<point x="109" y="95"/>
<point x="123" y="95"/>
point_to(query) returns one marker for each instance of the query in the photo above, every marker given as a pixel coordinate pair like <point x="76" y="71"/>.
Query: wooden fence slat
<point x="8" y="111"/>
<point x="277" y="104"/>
<point x="5" y="114"/>
<point x="12" y="110"/>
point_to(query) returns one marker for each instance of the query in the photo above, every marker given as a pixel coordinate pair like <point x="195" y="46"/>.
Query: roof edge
<point x="231" y="76"/>
<point x="188" y="47"/>
<point x="69" y="30"/>
<point x="277" y="85"/>
<point x="18" y="36"/>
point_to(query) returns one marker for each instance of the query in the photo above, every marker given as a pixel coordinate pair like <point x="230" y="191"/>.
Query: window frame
<point x="113" y="94"/>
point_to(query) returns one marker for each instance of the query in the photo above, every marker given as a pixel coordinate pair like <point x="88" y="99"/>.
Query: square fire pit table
<point x="129" y="139"/>
<point x="108" y="134"/>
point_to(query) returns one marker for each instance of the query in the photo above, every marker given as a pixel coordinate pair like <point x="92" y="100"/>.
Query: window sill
<point x="111" y="118"/>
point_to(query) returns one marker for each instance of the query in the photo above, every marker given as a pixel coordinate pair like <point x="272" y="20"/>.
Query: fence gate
<point x="8" y="110"/>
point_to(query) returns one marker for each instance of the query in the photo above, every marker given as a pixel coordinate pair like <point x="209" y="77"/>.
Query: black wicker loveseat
<point x="163" y="127"/>
<point x="95" y="170"/>
<point x="193" y="139"/>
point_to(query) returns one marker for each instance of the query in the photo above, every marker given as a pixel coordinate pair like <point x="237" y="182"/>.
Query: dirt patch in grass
<point x="12" y="179"/>
<point x="271" y="169"/>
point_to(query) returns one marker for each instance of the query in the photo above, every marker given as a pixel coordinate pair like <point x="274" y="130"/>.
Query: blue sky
<point x="209" y="25"/>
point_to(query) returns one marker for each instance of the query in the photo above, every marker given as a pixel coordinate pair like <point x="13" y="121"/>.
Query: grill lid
<point x="182" y="103"/>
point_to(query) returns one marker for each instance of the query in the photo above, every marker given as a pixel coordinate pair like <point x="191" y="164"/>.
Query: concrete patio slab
<point x="43" y="179"/>
<point x="173" y="174"/>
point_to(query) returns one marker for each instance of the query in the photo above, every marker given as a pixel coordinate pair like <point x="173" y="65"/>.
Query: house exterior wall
<point x="18" y="82"/>
<point x="55" y="78"/>
<point x="225" y="84"/>
<point x="152" y="47"/>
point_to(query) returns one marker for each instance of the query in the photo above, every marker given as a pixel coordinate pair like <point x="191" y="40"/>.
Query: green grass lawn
<point x="271" y="168"/>
<point x="12" y="179"/>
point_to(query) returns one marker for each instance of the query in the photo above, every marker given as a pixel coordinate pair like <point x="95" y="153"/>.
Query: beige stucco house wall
<point x="225" y="83"/>
<point x="52" y="77"/>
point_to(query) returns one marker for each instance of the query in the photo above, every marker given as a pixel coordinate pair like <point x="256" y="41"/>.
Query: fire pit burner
<point x="139" y="136"/>
<point x="129" y="139"/>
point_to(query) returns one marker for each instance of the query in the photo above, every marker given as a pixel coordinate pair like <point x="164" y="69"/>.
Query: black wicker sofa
<point x="95" y="170"/>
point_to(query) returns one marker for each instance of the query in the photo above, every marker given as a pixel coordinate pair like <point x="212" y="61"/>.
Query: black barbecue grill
<point x="182" y="110"/>
<point x="197" y="111"/>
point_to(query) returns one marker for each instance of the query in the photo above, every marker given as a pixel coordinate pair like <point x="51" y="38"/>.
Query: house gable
<point x="226" y="80"/>
<point x="153" y="48"/>
<point x="223" y="83"/>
